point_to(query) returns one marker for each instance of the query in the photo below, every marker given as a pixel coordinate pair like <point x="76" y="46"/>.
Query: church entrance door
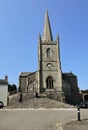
<point x="49" y="83"/>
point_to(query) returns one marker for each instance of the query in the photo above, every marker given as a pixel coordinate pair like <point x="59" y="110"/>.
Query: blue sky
<point x="22" y="20"/>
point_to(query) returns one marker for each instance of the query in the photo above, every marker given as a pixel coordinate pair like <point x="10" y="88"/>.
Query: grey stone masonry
<point x="50" y="76"/>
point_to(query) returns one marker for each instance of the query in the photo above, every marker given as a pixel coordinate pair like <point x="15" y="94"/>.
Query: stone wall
<point x="71" y="89"/>
<point x="22" y="83"/>
<point x="56" y="95"/>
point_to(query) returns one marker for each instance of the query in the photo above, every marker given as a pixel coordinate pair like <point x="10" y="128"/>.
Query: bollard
<point x="79" y="114"/>
<point x="20" y="99"/>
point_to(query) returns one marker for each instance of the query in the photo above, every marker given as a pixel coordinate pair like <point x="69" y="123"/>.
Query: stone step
<point x="42" y="95"/>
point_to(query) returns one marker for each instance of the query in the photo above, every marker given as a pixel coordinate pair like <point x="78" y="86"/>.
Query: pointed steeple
<point x="47" y="34"/>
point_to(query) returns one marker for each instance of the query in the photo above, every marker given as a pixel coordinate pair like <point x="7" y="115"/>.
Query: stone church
<point x="49" y="80"/>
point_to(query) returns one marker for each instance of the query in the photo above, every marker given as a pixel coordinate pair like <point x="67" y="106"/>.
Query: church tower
<point x="49" y="65"/>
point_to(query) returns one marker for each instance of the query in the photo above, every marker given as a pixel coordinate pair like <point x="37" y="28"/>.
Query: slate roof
<point x="3" y="81"/>
<point x="25" y="73"/>
<point x="70" y="74"/>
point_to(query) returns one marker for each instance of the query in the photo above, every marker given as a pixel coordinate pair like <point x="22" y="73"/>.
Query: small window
<point x="49" y="53"/>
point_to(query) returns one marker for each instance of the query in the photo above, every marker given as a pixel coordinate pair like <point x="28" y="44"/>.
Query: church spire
<point x="47" y="34"/>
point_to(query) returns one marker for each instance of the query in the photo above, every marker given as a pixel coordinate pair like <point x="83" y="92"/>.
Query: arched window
<point x="49" y="83"/>
<point x="49" y="53"/>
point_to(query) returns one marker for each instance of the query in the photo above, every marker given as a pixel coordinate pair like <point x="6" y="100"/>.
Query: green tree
<point x="12" y="88"/>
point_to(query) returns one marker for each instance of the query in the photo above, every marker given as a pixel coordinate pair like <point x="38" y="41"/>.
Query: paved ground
<point x="77" y="125"/>
<point x="41" y="119"/>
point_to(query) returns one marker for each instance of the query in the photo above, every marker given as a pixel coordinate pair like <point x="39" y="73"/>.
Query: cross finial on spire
<point x="47" y="34"/>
